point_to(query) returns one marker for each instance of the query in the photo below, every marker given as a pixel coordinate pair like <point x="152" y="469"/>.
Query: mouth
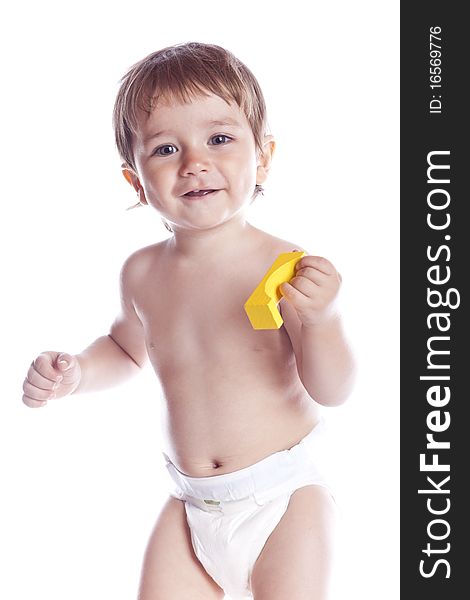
<point x="199" y="193"/>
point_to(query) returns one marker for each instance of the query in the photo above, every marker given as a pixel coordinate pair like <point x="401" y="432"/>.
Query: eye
<point x="165" y="150"/>
<point x="220" y="139"/>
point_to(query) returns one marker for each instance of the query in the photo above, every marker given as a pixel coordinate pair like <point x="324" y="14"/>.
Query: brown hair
<point x="181" y="72"/>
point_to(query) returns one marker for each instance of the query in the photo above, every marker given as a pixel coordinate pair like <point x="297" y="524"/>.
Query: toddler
<point x="249" y="514"/>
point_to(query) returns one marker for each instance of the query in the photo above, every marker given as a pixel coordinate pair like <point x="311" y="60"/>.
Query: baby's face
<point x="206" y="144"/>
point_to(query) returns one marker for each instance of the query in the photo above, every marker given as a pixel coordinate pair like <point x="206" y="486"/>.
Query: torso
<point x="232" y="395"/>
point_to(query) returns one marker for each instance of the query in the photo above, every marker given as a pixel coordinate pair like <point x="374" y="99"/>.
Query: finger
<point x="69" y="368"/>
<point x="302" y="284"/>
<point x="36" y="393"/>
<point x="40" y="381"/>
<point x="314" y="275"/>
<point x="293" y="295"/>
<point x="64" y="362"/>
<point x="318" y="262"/>
<point x="43" y="365"/>
<point x="32" y="403"/>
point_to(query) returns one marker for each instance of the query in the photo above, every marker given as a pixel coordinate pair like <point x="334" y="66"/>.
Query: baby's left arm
<point x="313" y="323"/>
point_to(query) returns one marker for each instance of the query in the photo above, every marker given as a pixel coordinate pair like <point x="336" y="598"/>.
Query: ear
<point x="133" y="179"/>
<point x="264" y="159"/>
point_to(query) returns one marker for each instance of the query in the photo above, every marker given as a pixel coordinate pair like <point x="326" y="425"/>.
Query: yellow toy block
<point x="261" y="306"/>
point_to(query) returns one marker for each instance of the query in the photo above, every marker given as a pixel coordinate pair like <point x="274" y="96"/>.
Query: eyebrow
<point x="227" y="121"/>
<point x="223" y="123"/>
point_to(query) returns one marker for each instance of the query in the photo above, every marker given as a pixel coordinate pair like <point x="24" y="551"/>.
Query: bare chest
<point x="201" y="316"/>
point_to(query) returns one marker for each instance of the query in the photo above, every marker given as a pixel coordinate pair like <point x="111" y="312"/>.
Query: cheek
<point x="155" y="181"/>
<point x="243" y="172"/>
<point x="249" y="178"/>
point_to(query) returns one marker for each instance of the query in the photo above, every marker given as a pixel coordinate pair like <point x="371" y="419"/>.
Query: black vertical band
<point x="435" y="259"/>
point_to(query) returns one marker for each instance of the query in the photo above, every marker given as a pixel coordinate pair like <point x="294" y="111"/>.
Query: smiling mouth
<point x="199" y="193"/>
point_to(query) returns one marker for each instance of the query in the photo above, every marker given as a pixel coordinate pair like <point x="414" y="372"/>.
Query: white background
<point x="83" y="480"/>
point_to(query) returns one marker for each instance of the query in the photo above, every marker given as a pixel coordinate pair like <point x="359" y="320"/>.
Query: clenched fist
<point x="313" y="289"/>
<point x="51" y="375"/>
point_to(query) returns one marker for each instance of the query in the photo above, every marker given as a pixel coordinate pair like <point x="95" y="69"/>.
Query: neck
<point x="208" y="243"/>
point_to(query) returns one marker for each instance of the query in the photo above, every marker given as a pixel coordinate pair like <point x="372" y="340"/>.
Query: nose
<point x="195" y="161"/>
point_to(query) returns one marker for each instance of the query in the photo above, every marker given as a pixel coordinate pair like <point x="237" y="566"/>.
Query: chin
<point x="205" y="226"/>
<point x="209" y="221"/>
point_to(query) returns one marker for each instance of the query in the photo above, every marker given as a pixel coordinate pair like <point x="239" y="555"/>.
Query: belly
<point x="232" y="395"/>
<point x="206" y="437"/>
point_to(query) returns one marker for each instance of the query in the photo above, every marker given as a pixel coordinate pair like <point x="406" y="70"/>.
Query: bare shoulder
<point x="275" y="246"/>
<point x="141" y="261"/>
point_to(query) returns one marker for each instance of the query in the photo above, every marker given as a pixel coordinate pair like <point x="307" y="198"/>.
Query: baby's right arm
<point x="109" y="360"/>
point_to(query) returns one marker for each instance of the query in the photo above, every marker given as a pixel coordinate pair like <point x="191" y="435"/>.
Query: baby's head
<point x="180" y="73"/>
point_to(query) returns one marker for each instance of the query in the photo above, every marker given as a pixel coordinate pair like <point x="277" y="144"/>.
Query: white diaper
<point x="231" y="516"/>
